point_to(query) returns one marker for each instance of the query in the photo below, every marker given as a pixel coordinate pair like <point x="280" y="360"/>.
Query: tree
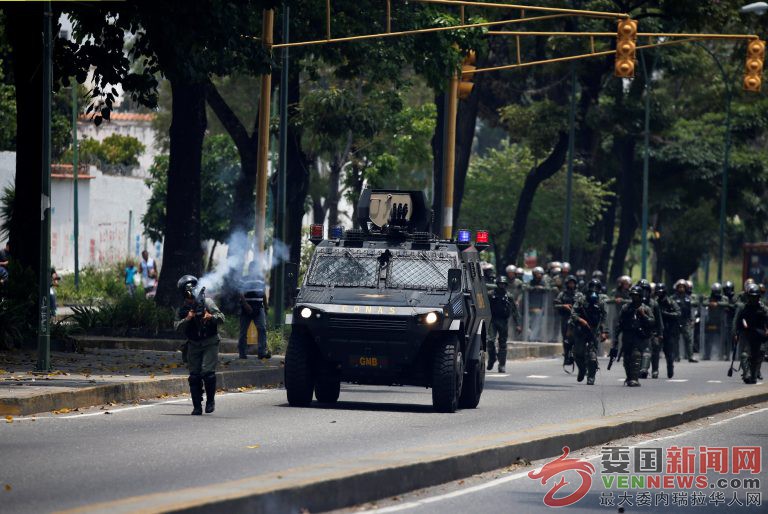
<point x="495" y="179"/>
<point x="219" y="172"/>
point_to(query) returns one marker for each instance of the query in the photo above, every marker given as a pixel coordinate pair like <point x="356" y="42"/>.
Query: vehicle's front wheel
<point x="474" y="383"/>
<point x="327" y="386"/>
<point x="299" y="378"/>
<point x="447" y="375"/>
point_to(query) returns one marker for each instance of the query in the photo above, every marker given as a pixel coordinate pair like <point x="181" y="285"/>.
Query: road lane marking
<point x="537" y="376"/>
<point x="517" y="476"/>
<point x="678" y="380"/>
<point x="714" y="381"/>
<point x="497" y="375"/>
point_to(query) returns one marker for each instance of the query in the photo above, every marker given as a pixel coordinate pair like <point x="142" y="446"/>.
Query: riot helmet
<point x="753" y="294"/>
<point x="636" y="294"/>
<point x="661" y="290"/>
<point x="717" y="290"/>
<point x="570" y="279"/>
<point x="187" y="285"/>
<point x="728" y="288"/>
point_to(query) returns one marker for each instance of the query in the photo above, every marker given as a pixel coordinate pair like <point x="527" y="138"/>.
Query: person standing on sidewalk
<point x="199" y="320"/>
<point x="148" y="274"/>
<point x="130" y="277"/>
<point x="253" y="308"/>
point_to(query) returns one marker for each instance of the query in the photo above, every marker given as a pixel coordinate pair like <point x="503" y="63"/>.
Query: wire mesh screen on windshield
<point x="418" y="273"/>
<point x="344" y="271"/>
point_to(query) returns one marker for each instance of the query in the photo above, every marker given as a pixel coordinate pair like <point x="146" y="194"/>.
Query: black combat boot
<point x="582" y="372"/>
<point x="210" y="393"/>
<point x="670" y="369"/>
<point x="196" y="389"/>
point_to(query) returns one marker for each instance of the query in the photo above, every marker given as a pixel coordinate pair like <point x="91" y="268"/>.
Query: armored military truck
<point x="390" y="304"/>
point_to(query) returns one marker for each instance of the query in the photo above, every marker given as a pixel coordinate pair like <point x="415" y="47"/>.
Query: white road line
<point x="134" y="407"/>
<point x="537" y="376"/>
<point x="517" y="476"/>
<point x="497" y="375"/>
<point x="678" y="380"/>
<point x="714" y="381"/>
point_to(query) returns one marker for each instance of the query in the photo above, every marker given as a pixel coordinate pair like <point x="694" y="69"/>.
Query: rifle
<point x="734" y="345"/>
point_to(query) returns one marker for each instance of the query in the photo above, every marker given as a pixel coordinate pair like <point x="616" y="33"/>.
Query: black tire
<point x="299" y="378"/>
<point x="447" y="375"/>
<point x="474" y="383"/>
<point x="327" y="386"/>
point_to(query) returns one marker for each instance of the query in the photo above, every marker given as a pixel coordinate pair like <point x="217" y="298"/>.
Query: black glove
<point x="613" y="353"/>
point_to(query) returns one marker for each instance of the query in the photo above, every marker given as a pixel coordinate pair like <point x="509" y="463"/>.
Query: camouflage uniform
<point x="636" y="324"/>
<point x="670" y="313"/>
<point x="686" y="323"/>
<point x="751" y="325"/>
<point x="502" y="308"/>
<point x="587" y="319"/>
<point x="564" y="303"/>
<point x="202" y="352"/>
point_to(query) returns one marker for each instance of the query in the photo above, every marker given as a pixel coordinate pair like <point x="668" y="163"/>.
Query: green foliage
<point x="7" y="117"/>
<point x="495" y="181"/>
<point x="124" y="315"/>
<point x="691" y="234"/>
<point x="115" y="152"/>
<point x="95" y="285"/>
<point x="6" y="210"/>
<point x="220" y="168"/>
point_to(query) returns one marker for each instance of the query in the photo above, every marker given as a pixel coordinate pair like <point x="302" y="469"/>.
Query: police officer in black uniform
<point x="671" y="332"/>
<point x="587" y="319"/>
<point x="564" y="306"/>
<point x="658" y="330"/>
<point x="751" y="327"/>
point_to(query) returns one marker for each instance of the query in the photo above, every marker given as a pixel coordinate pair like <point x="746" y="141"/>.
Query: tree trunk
<point x="609" y="226"/>
<point x="465" y="137"/>
<point x="182" y="250"/>
<point x="24" y="24"/>
<point x="332" y="200"/>
<point x="209" y="267"/>
<point x="625" y="149"/>
<point x="437" y="170"/>
<point x="539" y="174"/>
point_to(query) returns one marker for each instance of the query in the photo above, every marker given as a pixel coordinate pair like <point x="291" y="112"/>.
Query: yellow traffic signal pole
<point x="449" y="154"/>
<point x="268" y="20"/>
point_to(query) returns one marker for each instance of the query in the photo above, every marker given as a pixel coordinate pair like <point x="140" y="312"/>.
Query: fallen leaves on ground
<point x="7" y="487"/>
<point x="63" y="410"/>
<point x="9" y="419"/>
<point x="253" y="446"/>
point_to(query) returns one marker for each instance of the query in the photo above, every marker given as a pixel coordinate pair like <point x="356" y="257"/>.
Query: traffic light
<point x="626" y="48"/>
<point x="753" y="79"/>
<point x="465" y="81"/>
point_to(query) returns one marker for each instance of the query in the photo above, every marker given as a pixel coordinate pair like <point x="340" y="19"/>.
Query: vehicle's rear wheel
<point x="447" y="375"/>
<point x="299" y="378"/>
<point x="474" y="383"/>
<point x="327" y="386"/>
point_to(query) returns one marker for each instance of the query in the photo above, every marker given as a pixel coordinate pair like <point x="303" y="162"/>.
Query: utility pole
<point x="282" y="172"/>
<point x="569" y="179"/>
<point x="646" y="165"/>
<point x="44" y="316"/>
<point x="76" y="208"/>
<point x="268" y="21"/>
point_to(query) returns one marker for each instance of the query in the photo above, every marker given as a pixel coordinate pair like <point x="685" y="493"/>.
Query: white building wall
<point x="107" y="203"/>
<point x="141" y="130"/>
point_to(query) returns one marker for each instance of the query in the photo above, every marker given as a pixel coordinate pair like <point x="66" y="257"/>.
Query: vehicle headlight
<point x="430" y="318"/>
<point x="306" y="312"/>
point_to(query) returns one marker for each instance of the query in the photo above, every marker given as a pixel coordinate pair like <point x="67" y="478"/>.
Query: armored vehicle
<point x="390" y="304"/>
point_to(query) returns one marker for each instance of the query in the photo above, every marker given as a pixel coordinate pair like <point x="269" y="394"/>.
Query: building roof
<point x="123" y="116"/>
<point x="64" y="171"/>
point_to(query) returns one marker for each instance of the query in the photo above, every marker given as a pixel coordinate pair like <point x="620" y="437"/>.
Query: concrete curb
<point x="138" y="343"/>
<point x="128" y="391"/>
<point x="342" y="484"/>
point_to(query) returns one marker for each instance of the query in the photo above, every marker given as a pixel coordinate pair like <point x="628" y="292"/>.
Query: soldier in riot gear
<point x="515" y="283"/>
<point x="587" y="319"/>
<point x="716" y="329"/>
<point x="658" y="329"/>
<point x="671" y="334"/>
<point x="635" y="326"/>
<point x="536" y="289"/>
<point x="555" y="280"/>
<point x="751" y="327"/>
<point x="581" y="277"/>
<point x="621" y="293"/>
<point x="599" y="275"/>
<point x="199" y="320"/>
<point x="686" y="319"/>
<point x="564" y="306"/>
<point x="502" y="308"/>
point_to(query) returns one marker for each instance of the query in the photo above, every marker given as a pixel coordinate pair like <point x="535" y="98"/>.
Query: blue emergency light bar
<point x="336" y="232"/>
<point x="465" y="236"/>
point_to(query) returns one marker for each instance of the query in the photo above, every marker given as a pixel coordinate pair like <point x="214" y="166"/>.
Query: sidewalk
<point x="103" y="377"/>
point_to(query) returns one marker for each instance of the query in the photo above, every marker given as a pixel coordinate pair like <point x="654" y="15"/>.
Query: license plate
<point x="368" y="361"/>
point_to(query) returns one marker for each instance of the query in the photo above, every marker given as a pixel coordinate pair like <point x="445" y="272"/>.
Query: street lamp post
<point x="281" y="173"/>
<point x="44" y="314"/>
<point x="569" y="179"/>
<point x="646" y="166"/>
<point x="75" y="164"/>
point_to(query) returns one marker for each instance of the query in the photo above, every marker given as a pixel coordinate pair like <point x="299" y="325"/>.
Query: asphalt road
<point x="514" y="491"/>
<point x="57" y="462"/>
